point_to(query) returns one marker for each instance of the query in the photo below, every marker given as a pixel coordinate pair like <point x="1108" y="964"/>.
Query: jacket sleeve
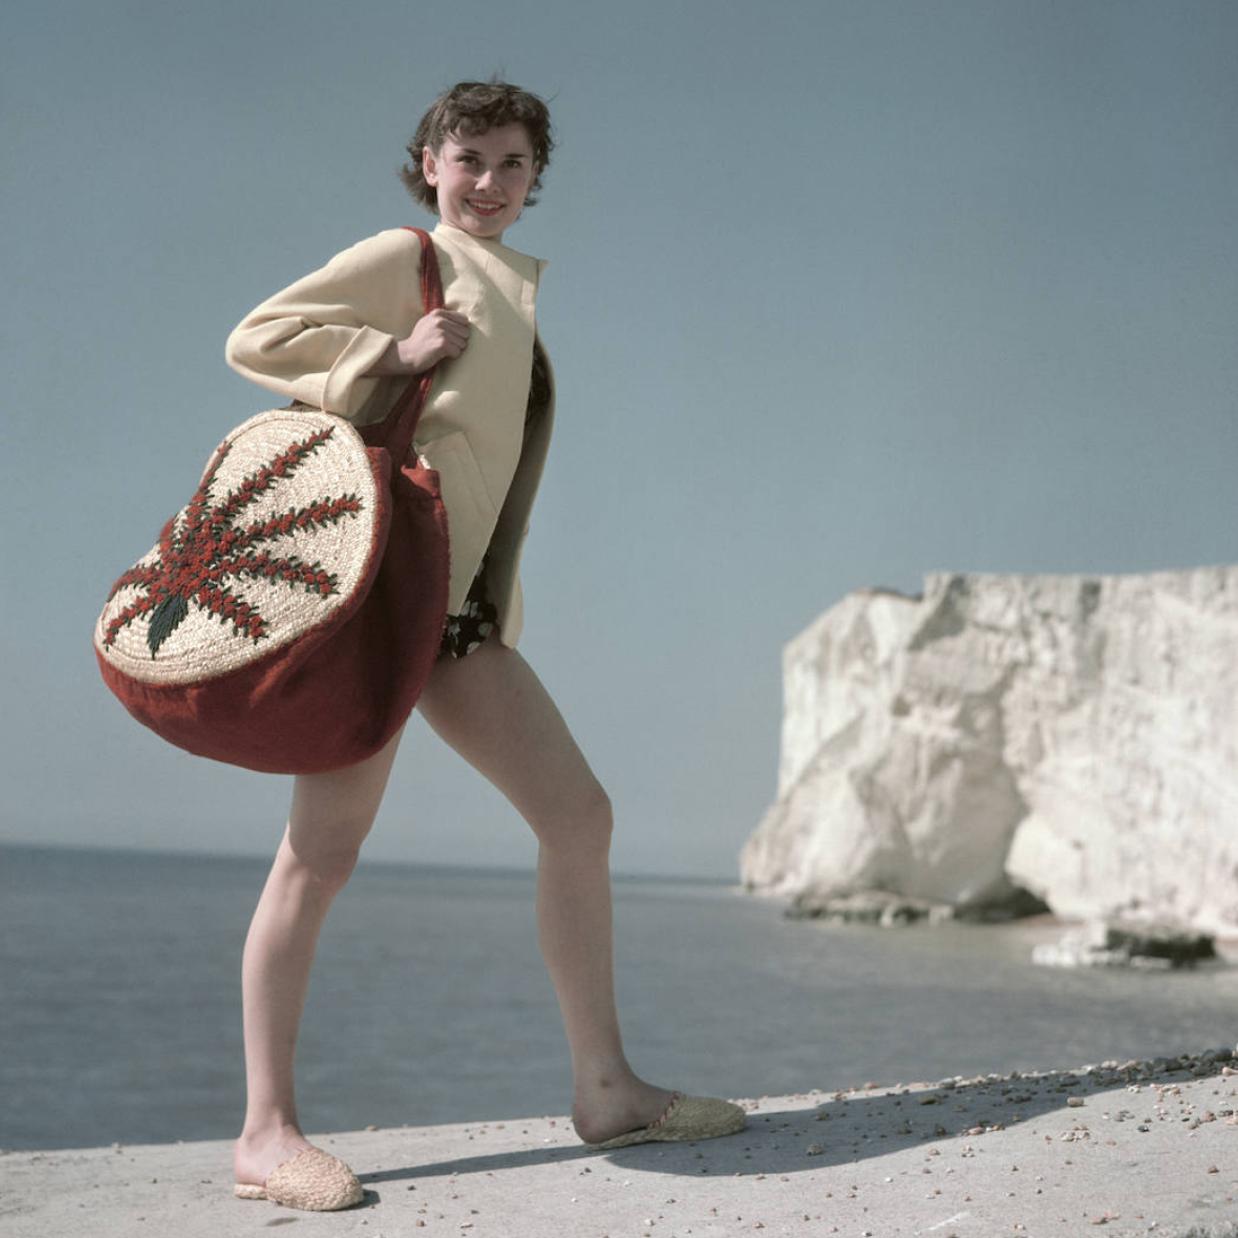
<point x="315" y="340"/>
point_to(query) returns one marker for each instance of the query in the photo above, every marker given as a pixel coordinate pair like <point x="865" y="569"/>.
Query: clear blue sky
<point x="839" y="293"/>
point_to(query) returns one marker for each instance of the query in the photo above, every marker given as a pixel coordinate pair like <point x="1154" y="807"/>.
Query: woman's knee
<point x="331" y="815"/>
<point x="585" y="820"/>
<point x="323" y="842"/>
<point x="324" y="863"/>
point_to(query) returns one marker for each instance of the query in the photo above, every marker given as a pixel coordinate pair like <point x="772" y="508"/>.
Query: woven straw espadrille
<point x="313" y="1179"/>
<point x="686" y="1117"/>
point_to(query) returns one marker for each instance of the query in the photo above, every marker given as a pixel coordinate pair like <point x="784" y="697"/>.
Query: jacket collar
<point x="466" y="240"/>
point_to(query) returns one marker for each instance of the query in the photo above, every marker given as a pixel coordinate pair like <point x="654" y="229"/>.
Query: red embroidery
<point x="194" y="559"/>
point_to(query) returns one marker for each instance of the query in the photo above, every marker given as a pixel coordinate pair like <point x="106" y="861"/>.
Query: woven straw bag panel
<point x="277" y="538"/>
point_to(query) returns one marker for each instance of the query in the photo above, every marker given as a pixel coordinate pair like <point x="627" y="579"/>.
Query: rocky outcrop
<point x="1115" y="944"/>
<point x="1069" y="738"/>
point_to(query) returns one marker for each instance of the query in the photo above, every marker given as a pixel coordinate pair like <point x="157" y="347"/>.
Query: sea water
<point x="120" y="1002"/>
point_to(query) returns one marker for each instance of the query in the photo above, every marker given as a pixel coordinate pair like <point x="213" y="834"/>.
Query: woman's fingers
<point x="440" y="334"/>
<point x="454" y="328"/>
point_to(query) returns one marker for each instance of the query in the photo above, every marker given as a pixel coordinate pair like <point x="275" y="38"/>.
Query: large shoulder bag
<point x="291" y="612"/>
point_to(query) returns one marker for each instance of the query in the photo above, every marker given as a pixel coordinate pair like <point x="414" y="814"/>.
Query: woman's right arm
<point x="328" y="339"/>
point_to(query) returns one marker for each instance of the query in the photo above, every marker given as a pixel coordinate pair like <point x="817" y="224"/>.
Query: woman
<point x="346" y="339"/>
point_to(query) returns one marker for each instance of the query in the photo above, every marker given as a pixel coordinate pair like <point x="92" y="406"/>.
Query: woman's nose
<point x="486" y="178"/>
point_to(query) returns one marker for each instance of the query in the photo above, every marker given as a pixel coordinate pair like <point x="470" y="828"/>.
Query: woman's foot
<point x="611" y="1107"/>
<point x="257" y="1153"/>
<point x="292" y="1172"/>
<point x="686" y="1119"/>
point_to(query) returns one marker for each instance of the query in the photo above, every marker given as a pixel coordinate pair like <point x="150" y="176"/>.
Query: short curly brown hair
<point x="470" y="109"/>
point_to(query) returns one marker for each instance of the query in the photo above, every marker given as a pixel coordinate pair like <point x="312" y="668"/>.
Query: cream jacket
<point x="316" y="340"/>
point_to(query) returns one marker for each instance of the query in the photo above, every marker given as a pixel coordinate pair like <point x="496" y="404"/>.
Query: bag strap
<point x="397" y="429"/>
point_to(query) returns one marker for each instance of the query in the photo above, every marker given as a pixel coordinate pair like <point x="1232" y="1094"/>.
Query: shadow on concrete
<point x="851" y="1128"/>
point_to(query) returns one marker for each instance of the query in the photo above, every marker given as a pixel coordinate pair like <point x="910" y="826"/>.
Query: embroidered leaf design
<point x="196" y="560"/>
<point x="164" y="620"/>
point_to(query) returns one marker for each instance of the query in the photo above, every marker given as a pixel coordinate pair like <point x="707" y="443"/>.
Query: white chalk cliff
<point x="1073" y="736"/>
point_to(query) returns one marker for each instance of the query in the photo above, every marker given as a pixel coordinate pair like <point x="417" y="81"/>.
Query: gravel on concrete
<point x="1139" y="1147"/>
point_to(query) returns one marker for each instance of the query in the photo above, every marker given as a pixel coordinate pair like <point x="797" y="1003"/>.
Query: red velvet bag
<point x="291" y="612"/>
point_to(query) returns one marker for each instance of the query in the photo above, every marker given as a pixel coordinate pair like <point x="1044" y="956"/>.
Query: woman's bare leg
<point x="331" y="815"/>
<point x="494" y="711"/>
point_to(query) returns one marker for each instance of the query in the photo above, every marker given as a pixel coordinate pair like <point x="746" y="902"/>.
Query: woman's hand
<point x="439" y="335"/>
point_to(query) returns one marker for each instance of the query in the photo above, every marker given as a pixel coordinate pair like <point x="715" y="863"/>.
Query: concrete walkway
<point x="1123" y="1149"/>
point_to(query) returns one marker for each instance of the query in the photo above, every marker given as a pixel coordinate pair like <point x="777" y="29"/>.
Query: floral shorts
<point x="478" y="617"/>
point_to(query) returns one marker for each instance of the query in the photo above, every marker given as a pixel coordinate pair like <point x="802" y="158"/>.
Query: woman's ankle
<point x="603" y="1075"/>
<point x="259" y="1150"/>
<point x="259" y="1130"/>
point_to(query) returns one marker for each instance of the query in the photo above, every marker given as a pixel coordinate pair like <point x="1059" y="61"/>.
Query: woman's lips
<point x="484" y="208"/>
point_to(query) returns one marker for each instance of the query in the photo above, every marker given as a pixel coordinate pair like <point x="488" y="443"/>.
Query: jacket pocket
<point x="465" y="496"/>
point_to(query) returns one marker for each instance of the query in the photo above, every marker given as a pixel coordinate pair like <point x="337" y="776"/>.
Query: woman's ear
<point x="429" y="166"/>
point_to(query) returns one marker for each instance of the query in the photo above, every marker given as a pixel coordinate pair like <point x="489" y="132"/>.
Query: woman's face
<point x="482" y="180"/>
